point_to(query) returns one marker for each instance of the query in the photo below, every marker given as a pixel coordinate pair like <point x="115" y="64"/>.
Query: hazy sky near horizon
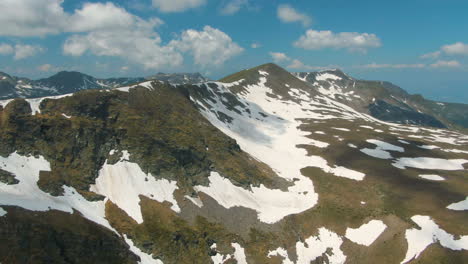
<point x="419" y="45"/>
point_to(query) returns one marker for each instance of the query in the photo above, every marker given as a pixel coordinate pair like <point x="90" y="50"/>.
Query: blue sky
<point x="421" y="46"/>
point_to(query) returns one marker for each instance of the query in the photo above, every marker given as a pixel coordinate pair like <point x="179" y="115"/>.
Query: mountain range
<point x="69" y="82"/>
<point x="262" y="166"/>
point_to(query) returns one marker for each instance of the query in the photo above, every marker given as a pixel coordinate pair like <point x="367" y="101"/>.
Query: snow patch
<point x="26" y="193"/>
<point x="381" y="149"/>
<point x="123" y="183"/>
<point x="239" y="253"/>
<point x="326" y="242"/>
<point x="271" y="204"/>
<point x="432" y="177"/>
<point x="430" y="232"/>
<point x="196" y="201"/>
<point x="144" y="257"/>
<point x="430" y="163"/>
<point x="367" y="233"/>
<point x="2" y="212"/>
<point x="327" y="76"/>
<point x="460" y="206"/>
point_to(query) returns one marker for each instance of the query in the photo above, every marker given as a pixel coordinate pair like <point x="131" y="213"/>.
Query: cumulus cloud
<point x="6" y="49"/>
<point x="135" y="46"/>
<point x="288" y="14"/>
<point x="170" y="6"/>
<point x="31" y="17"/>
<point x="455" y="49"/>
<point x="352" y="41"/>
<point x="458" y="48"/>
<point x="20" y="51"/>
<point x="233" y="7"/>
<point x="105" y="29"/>
<point x="209" y="47"/>
<point x="25" y="51"/>
<point x="279" y="57"/>
<point x="446" y="64"/>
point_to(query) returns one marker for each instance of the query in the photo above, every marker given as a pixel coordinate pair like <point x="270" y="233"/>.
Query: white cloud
<point x="455" y="49"/>
<point x="209" y="47"/>
<point x="446" y="64"/>
<point x="279" y="57"/>
<point x="105" y="29"/>
<point x="288" y="14"/>
<point x="137" y="46"/>
<point x="20" y="51"/>
<point x="352" y="41"/>
<point x="31" y="17"/>
<point x="169" y="6"/>
<point x="255" y="45"/>
<point x="431" y="55"/>
<point x="6" y="49"/>
<point x="299" y="65"/>
<point x="392" y="66"/>
<point x="112" y="31"/>
<point x="47" y="68"/>
<point x="233" y="7"/>
<point x="458" y="48"/>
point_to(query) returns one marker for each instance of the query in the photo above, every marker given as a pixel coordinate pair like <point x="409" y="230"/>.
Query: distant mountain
<point x="386" y="101"/>
<point x="69" y="82"/>
<point x="179" y="78"/>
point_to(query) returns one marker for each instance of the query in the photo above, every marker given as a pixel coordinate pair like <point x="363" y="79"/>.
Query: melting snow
<point x="144" y="257"/>
<point x="271" y="204"/>
<point x="380" y="150"/>
<point x="342" y="129"/>
<point x="148" y="85"/>
<point x="432" y="177"/>
<point x="367" y="233"/>
<point x="430" y="232"/>
<point x="327" y="76"/>
<point x="26" y="193"/>
<point x="273" y="139"/>
<point x="196" y="201"/>
<point x="327" y="242"/>
<point x="430" y="163"/>
<point x="239" y="253"/>
<point x="280" y="252"/>
<point x="460" y="206"/>
<point x="124" y="182"/>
